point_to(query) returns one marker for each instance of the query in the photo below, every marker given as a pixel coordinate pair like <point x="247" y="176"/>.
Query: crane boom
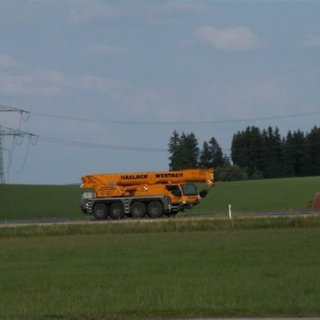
<point x="150" y="178"/>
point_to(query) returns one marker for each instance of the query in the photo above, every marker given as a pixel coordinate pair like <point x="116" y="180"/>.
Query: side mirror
<point x="203" y="193"/>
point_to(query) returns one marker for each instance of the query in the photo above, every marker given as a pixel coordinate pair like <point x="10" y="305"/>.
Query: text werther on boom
<point x="169" y="175"/>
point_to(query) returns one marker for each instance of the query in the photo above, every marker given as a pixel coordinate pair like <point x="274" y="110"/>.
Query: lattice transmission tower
<point x="4" y="131"/>
<point x="2" y="178"/>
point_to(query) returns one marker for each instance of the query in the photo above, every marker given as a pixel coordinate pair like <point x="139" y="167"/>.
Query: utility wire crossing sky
<point x="103" y="84"/>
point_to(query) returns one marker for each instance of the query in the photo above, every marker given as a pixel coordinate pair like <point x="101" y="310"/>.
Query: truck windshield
<point x="189" y="189"/>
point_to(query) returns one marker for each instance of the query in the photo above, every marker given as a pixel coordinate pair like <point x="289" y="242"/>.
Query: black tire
<point x="138" y="210"/>
<point x="100" y="211"/>
<point x="155" y="209"/>
<point x="116" y="210"/>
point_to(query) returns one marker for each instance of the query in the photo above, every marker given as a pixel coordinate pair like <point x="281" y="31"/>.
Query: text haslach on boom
<point x="134" y="177"/>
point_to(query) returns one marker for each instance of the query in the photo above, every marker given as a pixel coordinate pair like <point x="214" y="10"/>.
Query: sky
<point x="105" y="83"/>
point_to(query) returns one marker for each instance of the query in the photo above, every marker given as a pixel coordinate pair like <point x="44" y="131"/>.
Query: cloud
<point x="95" y="83"/>
<point x="98" y="10"/>
<point x="54" y="83"/>
<point x="238" y="38"/>
<point x="7" y="62"/>
<point x="39" y="84"/>
<point x="311" y="40"/>
<point x="94" y="10"/>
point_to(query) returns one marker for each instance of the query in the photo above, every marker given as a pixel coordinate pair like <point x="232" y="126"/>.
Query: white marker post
<point x="230" y="213"/>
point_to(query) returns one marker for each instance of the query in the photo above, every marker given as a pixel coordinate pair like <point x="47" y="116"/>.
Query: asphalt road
<point x="91" y="220"/>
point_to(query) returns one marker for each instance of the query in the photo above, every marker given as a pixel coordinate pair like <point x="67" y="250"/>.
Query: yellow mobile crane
<point x="140" y="193"/>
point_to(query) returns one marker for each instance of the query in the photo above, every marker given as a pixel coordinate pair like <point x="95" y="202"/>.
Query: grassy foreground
<point x="39" y="201"/>
<point x="170" y="274"/>
<point x="36" y="201"/>
<point x="195" y="224"/>
<point x="262" y="195"/>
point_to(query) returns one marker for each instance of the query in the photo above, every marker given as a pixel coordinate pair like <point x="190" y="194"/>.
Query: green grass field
<point x="155" y="275"/>
<point x="261" y="195"/>
<point x="33" y="201"/>
<point x="169" y="268"/>
<point x="37" y="201"/>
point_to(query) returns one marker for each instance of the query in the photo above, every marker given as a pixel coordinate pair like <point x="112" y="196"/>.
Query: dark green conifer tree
<point x="205" y="160"/>
<point x="184" y="151"/>
<point x="313" y="152"/>
<point x="216" y="153"/>
<point x="246" y="150"/>
<point x="295" y="154"/>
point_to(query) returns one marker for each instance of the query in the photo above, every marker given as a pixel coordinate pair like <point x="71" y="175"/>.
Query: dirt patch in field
<point x="316" y="202"/>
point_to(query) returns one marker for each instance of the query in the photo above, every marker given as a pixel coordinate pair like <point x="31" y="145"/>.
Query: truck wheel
<point x="100" y="211"/>
<point x="155" y="209"/>
<point x="116" y="210"/>
<point x="138" y="210"/>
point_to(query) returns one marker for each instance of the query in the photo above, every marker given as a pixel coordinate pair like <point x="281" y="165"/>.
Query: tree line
<point x="255" y="154"/>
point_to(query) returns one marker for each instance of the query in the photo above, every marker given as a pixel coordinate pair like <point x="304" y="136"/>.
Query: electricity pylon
<point x="8" y="132"/>
<point x="2" y="178"/>
<point x="4" y="131"/>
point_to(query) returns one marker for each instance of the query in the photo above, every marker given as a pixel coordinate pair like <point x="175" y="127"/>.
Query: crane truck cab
<point x="144" y="193"/>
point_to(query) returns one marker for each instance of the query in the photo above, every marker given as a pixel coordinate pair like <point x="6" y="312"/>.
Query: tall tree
<point x="174" y="151"/>
<point x="254" y="154"/>
<point x="271" y="153"/>
<point x="211" y="155"/>
<point x="184" y="151"/>
<point x="216" y="153"/>
<point x="246" y="150"/>
<point x="189" y="145"/>
<point x="295" y="154"/>
<point x="205" y="160"/>
<point x="313" y="152"/>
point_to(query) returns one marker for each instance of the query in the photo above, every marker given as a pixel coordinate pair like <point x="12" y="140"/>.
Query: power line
<point x="34" y="138"/>
<point x="98" y="145"/>
<point x="248" y="78"/>
<point x="200" y="122"/>
<point x="5" y="131"/>
<point x="28" y="113"/>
